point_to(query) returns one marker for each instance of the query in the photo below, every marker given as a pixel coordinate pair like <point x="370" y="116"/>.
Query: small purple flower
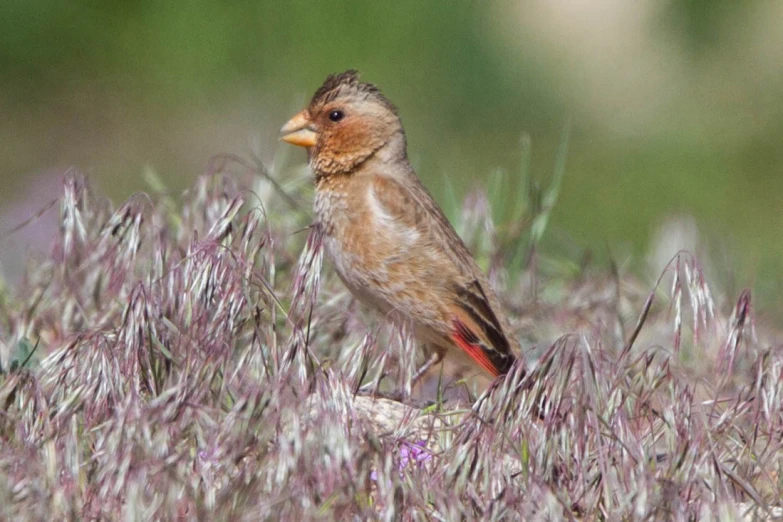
<point x="410" y="453"/>
<point x="414" y="451"/>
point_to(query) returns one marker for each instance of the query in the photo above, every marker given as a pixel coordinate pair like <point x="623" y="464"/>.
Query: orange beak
<point x="299" y="131"/>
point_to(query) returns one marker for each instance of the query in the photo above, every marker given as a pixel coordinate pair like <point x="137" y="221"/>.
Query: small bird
<point x="387" y="238"/>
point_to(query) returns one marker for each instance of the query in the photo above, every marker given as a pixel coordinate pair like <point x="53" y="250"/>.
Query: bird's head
<point x="346" y="123"/>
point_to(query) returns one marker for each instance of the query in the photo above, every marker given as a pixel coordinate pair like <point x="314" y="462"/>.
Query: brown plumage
<point x="388" y="239"/>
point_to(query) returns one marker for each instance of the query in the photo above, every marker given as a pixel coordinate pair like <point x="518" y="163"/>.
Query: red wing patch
<point x="469" y="342"/>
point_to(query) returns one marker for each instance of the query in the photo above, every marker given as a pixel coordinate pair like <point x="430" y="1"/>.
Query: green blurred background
<point x="677" y="107"/>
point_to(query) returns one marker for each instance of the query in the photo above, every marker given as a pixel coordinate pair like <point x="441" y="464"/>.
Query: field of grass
<point x="187" y="357"/>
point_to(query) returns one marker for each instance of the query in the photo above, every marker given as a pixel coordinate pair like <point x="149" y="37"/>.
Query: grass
<point x="188" y="358"/>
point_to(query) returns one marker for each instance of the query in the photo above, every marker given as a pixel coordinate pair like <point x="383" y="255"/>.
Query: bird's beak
<point x="299" y="131"/>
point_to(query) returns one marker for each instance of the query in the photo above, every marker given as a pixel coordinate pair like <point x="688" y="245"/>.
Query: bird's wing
<point x="477" y="325"/>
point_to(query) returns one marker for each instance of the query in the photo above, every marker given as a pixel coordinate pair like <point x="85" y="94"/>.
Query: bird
<point x="386" y="236"/>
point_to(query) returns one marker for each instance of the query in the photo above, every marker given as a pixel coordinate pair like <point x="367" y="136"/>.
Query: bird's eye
<point x="336" y="115"/>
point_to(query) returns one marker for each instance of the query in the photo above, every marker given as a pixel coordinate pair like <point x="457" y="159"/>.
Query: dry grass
<point x="187" y="359"/>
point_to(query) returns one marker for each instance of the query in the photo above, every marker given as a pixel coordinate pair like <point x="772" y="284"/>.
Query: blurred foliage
<point x="22" y="356"/>
<point x="112" y="87"/>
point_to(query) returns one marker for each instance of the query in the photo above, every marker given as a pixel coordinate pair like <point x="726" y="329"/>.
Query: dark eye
<point x="336" y="115"/>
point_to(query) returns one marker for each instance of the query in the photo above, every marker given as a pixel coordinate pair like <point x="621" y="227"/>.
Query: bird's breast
<point x="342" y="224"/>
<point x="362" y="237"/>
<point x="383" y="263"/>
